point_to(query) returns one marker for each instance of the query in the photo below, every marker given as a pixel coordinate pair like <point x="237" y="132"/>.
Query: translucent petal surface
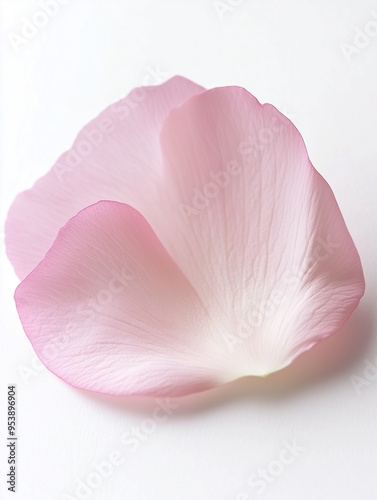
<point x="115" y="157"/>
<point x="108" y="310"/>
<point x="243" y="260"/>
<point x="256" y="228"/>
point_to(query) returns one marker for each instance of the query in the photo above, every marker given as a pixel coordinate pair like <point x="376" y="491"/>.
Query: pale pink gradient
<point x="145" y="329"/>
<point x="233" y="260"/>
<point x="124" y="166"/>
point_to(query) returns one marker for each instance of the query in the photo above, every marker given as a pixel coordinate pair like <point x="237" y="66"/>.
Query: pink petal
<point x="254" y="267"/>
<point x="108" y="310"/>
<point x="116" y="156"/>
<point x="255" y="228"/>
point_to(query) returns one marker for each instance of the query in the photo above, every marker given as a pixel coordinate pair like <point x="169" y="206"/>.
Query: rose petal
<point x="255" y="228"/>
<point x="116" y="157"/>
<point x="108" y="310"/>
<point x="250" y="264"/>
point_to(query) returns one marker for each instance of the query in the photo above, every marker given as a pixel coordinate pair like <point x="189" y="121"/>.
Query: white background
<point x="306" y="58"/>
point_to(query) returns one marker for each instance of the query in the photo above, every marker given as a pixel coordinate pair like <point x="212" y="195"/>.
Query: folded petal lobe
<point x="107" y="310"/>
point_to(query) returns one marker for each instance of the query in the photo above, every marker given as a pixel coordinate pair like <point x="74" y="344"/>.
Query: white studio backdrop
<point x="315" y="61"/>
